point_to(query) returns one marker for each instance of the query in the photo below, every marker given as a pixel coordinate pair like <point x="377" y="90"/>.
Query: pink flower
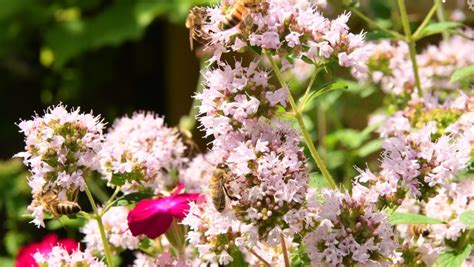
<point x="153" y="217"/>
<point x="25" y="255"/>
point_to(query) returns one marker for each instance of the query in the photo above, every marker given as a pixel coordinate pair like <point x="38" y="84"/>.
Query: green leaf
<point x="65" y="222"/>
<point x="7" y="262"/>
<point x="117" y="179"/>
<point x="322" y="90"/>
<point x="468" y="218"/>
<point x="437" y="27"/>
<point x="461" y="74"/>
<point x="369" y="148"/>
<point x="412" y="218"/>
<point x="119" y="22"/>
<point x="452" y="258"/>
<point x="316" y="180"/>
<point x="238" y="257"/>
<point x="131" y="198"/>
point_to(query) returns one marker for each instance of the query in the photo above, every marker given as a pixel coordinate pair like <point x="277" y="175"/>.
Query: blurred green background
<point x="119" y="56"/>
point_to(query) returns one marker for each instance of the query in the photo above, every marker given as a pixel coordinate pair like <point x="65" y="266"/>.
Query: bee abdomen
<point x="234" y="17"/>
<point x="218" y="200"/>
<point x="68" y="208"/>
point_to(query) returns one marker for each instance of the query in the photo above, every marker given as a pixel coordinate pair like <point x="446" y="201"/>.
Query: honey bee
<point x="417" y="230"/>
<point x="194" y="22"/>
<point x="191" y="147"/>
<point x="238" y="12"/>
<point x="218" y="189"/>
<point x="56" y="206"/>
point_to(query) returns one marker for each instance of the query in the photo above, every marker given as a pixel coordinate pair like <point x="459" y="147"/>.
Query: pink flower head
<point x="153" y="217"/>
<point x="25" y="255"/>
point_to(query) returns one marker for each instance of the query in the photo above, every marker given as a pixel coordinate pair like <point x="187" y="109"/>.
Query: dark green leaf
<point x="238" y="257"/>
<point x="117" y="179"/>
<point x="461" y="74"/>
<point x="412" y="218"/>
<point x="467" y="218"/>
<point x="452" y="258"/>
<point x="437" y="27"/>
<point x="65" y="222"/>
<point x="132" y="198"/>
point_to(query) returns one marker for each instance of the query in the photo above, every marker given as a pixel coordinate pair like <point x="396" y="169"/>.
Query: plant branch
<point x="411" y="43"/>
<point x="108" y="255"/>
<point x="188" y="122"/>
<point x="260" y="258"/>
<point x="109" y="203"/>
<point x="441" y="18"/>
<point x="285" y="250"/>
<point x="427" y="19"/>
<point x="371" y="22"/>
<point x="307" y="137"/>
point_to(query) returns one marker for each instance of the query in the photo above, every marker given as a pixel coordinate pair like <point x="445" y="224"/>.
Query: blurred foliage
<point x="14" y="198"/>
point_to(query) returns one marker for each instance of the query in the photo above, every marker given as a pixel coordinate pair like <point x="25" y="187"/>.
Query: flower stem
<point x="260" y="258"/>
<point x="299" y="119"/>
<point x="188" y="122"/>
<point x="285" y="251"/>
<point x="411" y="43"/>
<point x="377" y="25"/>
<point x="427" y="19"/>
<point x="441" y="18"/>
<point x="109" y="203"/>
<point x="108" y="255"/>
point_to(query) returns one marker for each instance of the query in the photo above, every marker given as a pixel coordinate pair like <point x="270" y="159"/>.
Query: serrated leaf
<point x="412" y="218"/>
<point x="131" y="199"/>
<point x="461" y="74"/>
<point x="452" y="258"/>
<point x="467" y="218"/>
<point x="437" y="27"/>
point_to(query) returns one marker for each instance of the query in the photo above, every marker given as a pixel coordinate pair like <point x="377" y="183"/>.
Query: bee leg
<point x="231" y="197"/>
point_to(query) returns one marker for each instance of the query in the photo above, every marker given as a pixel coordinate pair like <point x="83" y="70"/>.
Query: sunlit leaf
<point x="369" y="148"/>
<point x="412" y="218"/>
<point x="453" y="258"/>
<point x="437" y="27"/>
<point x="316" y="180"/>
<point x="461" y="74"/>
<point x="467" y="218"/>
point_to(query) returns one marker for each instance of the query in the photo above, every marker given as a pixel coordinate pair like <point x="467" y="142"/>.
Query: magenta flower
<point x="25" y="255"/>
<point x="153" y="217"/>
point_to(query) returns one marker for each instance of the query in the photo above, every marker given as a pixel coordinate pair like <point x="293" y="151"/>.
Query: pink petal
<point x="153" y="226"/>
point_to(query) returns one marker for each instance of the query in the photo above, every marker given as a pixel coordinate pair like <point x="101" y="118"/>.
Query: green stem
<point x="308" y="89"/>
<point x="427" y="19"/>
<point x="260" y="258"/>
<point x="109" y="203"/>
<point x="299" y="118"/>
<point x="285" y="251"/>
<point x="376" y="25"/>
<point x="441" y="18"/>
<point x="411" y="44"/>
<point x="108" y="255"/>
<point x="189" y="122"/>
